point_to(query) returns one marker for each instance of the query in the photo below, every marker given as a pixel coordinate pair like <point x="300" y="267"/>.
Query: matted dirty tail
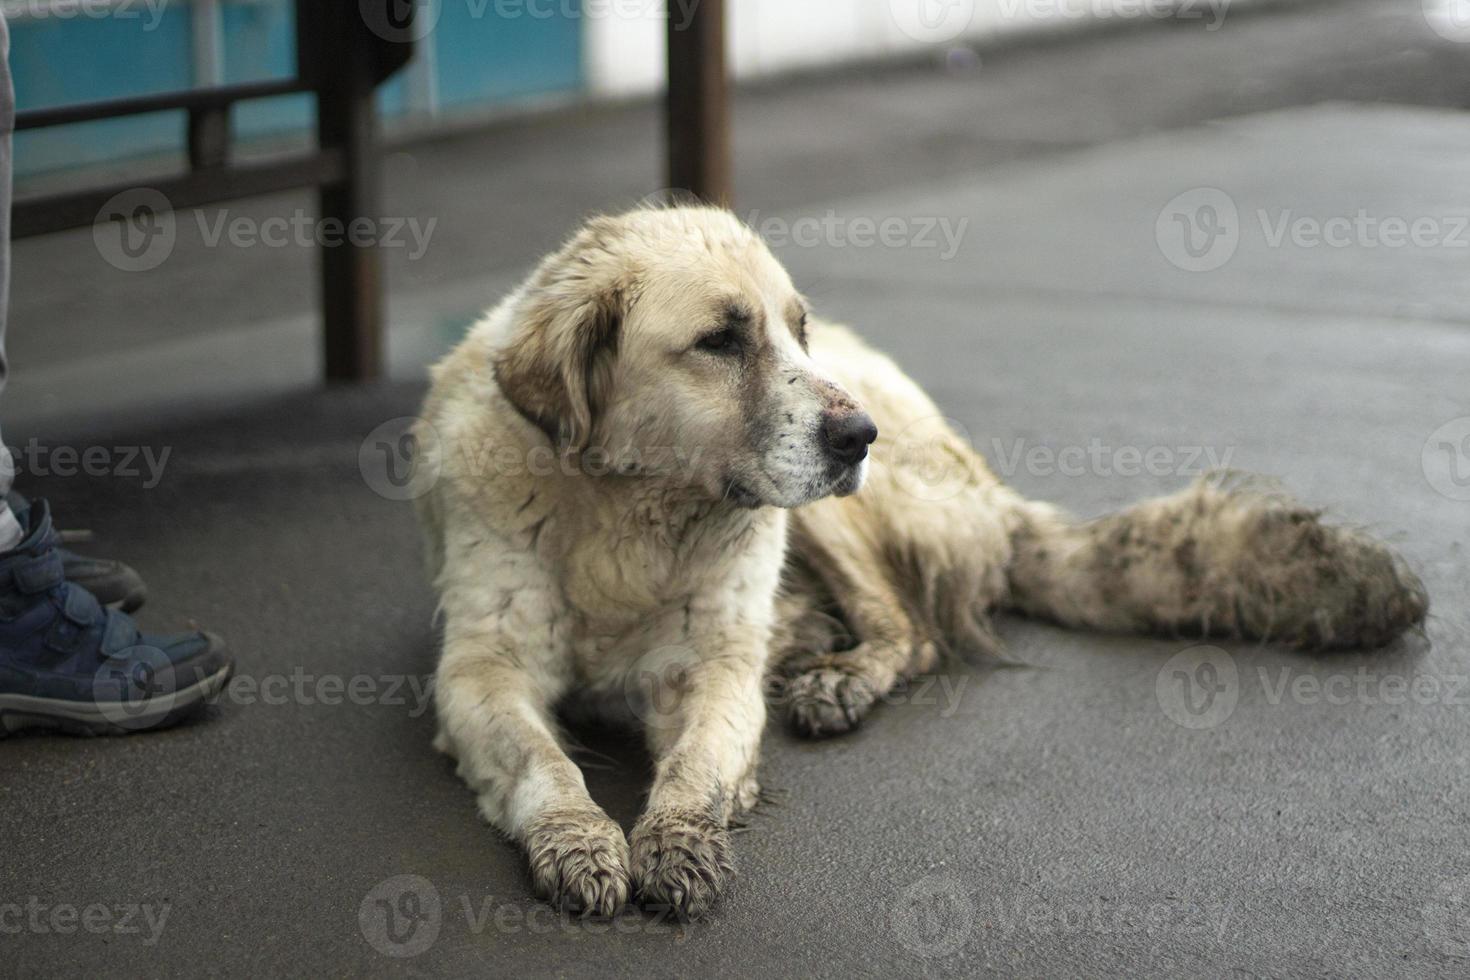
<point x="1215" y="560"/>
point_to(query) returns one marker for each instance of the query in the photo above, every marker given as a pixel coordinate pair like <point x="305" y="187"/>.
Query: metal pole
<point x="698" y="111"/>
<point x="352" y="271"/>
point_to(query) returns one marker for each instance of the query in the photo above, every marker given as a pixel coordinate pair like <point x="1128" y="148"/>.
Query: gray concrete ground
<point x="1092" y="811"/>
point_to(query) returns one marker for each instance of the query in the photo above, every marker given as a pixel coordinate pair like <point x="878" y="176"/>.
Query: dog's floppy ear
<point x="556" y="369"/>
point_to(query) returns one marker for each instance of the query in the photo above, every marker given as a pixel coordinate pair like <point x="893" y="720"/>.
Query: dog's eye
<point x="725" y="341"/>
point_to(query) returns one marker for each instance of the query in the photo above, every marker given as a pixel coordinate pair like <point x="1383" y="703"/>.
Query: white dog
<point x="651" y="446"/>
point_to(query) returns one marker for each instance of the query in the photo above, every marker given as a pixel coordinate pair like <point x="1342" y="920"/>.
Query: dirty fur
<point x="1235" y="561"/>
<point x="638" y="512"/>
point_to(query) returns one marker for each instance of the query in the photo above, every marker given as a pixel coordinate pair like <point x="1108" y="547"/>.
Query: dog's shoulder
<point x="487" y="456"/>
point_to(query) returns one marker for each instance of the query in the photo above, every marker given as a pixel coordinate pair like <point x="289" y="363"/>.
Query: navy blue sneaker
<point x="67" y="663"/>
<point x="114" y="584"/>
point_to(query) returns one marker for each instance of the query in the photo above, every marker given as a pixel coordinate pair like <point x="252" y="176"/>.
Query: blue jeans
<point x="7" y="127"/>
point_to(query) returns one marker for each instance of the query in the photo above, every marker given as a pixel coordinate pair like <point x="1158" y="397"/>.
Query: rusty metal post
<point x="352" y="272"/>
<point x="698" y="105"/>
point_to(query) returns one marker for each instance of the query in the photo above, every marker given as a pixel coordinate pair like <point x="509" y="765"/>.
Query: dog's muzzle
<point x="846" y="436"/>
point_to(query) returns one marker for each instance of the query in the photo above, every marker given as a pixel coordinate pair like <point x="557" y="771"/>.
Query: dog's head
<point x="671" y="343"/>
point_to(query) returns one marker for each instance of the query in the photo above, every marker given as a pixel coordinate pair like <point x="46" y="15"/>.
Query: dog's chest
<point x="628" y="568"/>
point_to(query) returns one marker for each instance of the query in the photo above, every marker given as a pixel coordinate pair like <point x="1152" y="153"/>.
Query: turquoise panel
<point x="487" y="53"/>
<point x="493" y="52"/>
<point x="58" y="61"/>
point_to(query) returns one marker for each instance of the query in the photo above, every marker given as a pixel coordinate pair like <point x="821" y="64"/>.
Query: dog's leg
<point x="495" y="717"/>
<point x="706" y="748"/>
<point x="1211" y="561"/>
<point x="828" y="693"/>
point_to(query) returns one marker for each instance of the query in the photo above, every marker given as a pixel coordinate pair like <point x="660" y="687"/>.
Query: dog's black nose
<point x="848" y="436"/>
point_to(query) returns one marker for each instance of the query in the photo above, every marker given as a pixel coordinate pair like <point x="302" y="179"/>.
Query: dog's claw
<point x="826" y="701"/>
<point x="681" y="863"/>
<point x="579" y="863"/>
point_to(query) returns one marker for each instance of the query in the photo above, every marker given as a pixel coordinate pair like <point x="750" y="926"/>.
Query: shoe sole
<point x="20" y="712"/>
<point x="132" y="602"/>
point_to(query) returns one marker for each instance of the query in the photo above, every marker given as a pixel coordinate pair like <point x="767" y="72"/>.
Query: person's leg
<point x="66" y="661"/>
<point x="10" y="528"/>
<point x="115" y="584"/>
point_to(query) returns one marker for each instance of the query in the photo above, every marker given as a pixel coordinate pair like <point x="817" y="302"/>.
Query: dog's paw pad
<point x="827" y="701"/>
<point x="681" y="863"/>
<point x="579" y="862"/>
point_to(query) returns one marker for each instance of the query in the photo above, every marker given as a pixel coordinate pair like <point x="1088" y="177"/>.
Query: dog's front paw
<point x="579" y="862"/>
<point x="827" y="701"/>
<point x="681" y="862"/>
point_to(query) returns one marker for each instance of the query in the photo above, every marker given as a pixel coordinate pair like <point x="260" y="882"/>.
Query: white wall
<point x="625" y="38"/>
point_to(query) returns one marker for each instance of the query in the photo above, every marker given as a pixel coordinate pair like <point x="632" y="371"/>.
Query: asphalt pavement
<point x="1166" y="249"/>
